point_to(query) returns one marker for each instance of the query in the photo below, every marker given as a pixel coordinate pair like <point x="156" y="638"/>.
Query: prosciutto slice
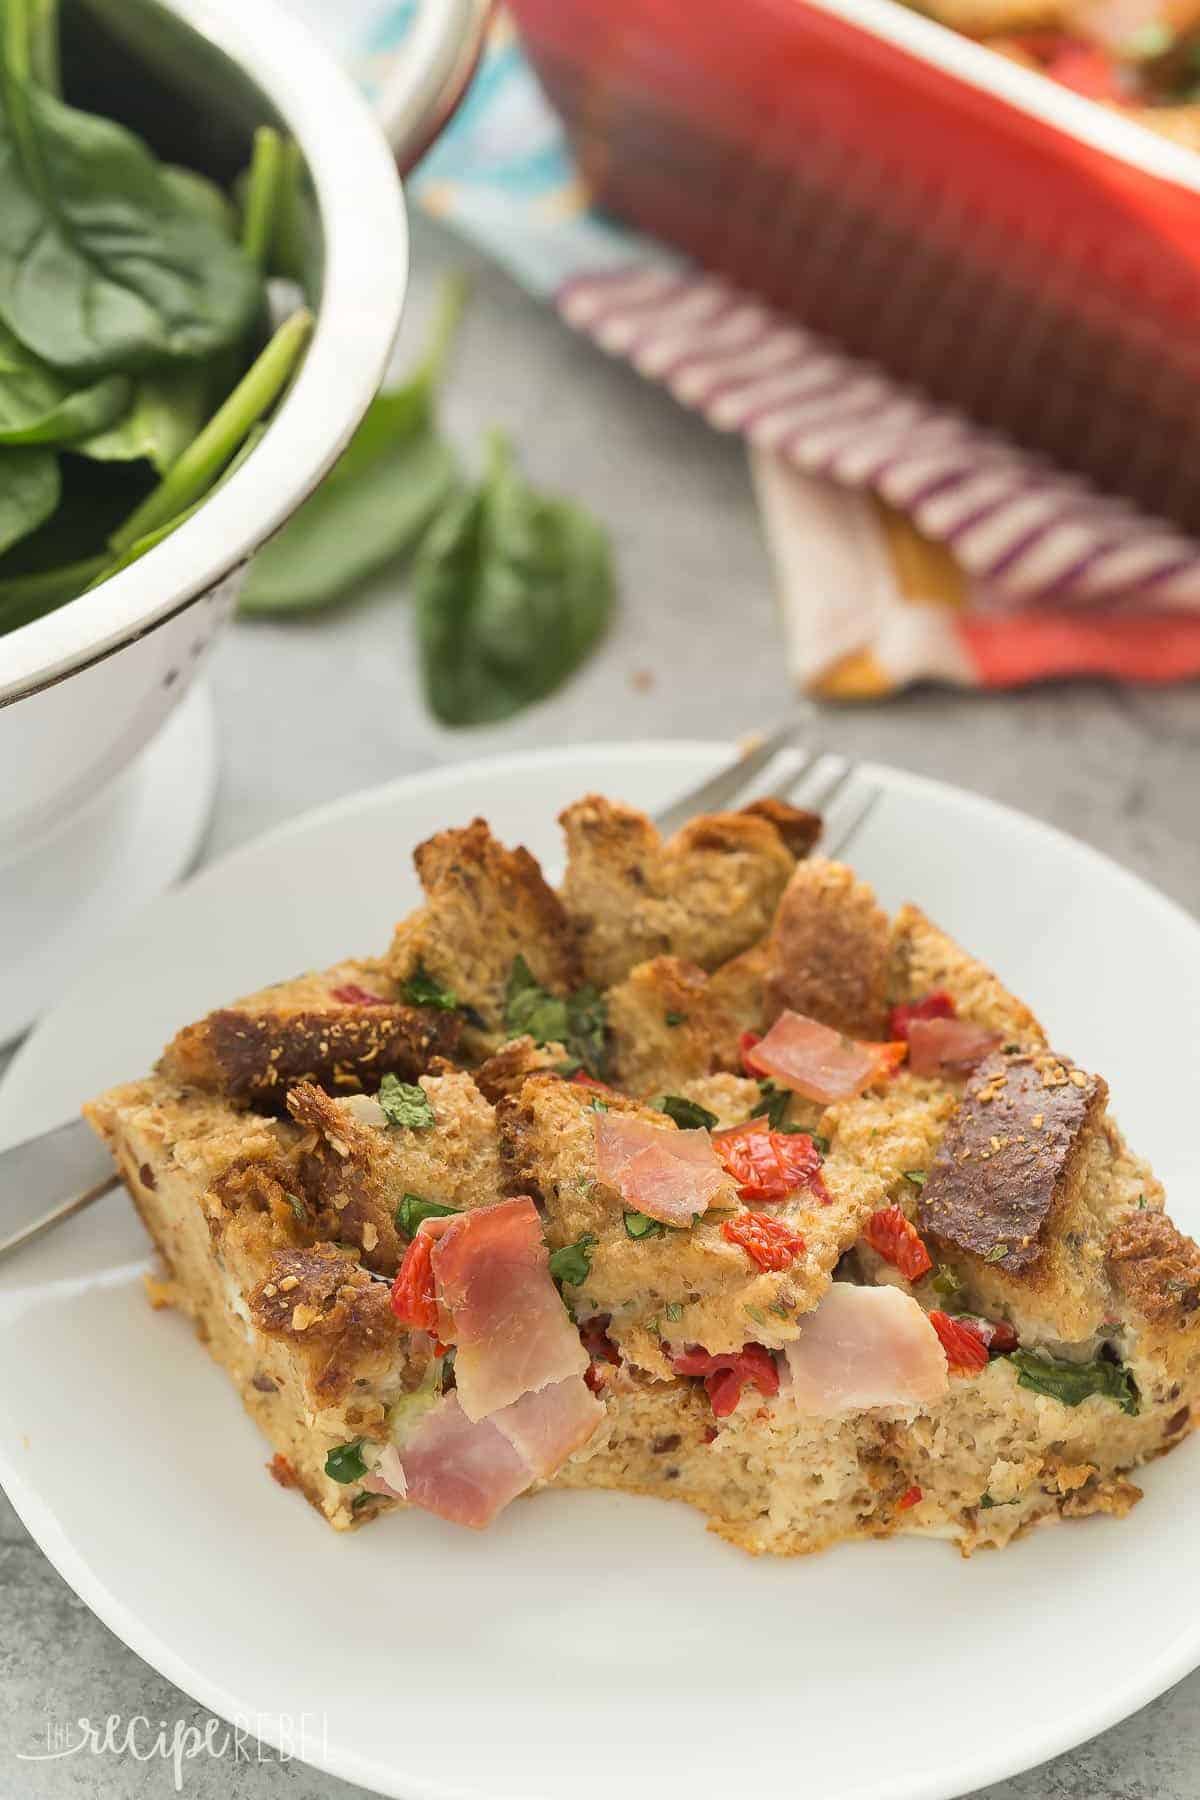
<point x="818" y="1062"/>
<point x="667" y="1174"/>
<point x="503" y="1312"/>
<point x="468" y="1470"/>
<point x="864" y="1347"/>
<point x="948" y="1046"/>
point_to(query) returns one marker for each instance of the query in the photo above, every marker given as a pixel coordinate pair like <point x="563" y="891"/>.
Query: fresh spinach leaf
<point x="687" y="1114"/>
<point x="30" y="485"/>
<point x="773" y="1105"/>
<point x="375" y="505"/>
<point x="1072" y="1383"/>
<point x="102" y="268"/>
<point x="573" y="1263"/>
<point x="513" y="590"/>
<point x="412" y="1211"/>
<point x="167" y="410"/>
<point x="192" y="475"/>
<point x="37" y="406"/>
<point x="24" y="598"/>
<point x="203" y="197"/>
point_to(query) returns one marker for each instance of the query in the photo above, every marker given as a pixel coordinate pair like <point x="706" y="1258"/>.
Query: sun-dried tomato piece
<point x="899" y="1242"/>
<point x="910" y="1497"/>
<point x="726" y="1374"/>
<point x="966" y="1351"/>
<point x="746" y="1043"/>
<point x="353" y="995"/>
<point x="771" y="1243"/>
<point x="414" y="1297"/>
<point x="770" y="1165"/>
<point x="937" y="1005"/>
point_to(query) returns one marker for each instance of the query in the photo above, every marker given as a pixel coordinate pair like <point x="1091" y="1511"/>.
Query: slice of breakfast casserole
<point x="700" y="1178"/>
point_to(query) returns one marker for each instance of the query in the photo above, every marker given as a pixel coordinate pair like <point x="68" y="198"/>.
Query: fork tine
<point x="722" y="787"/>
<point x="840" y="839"/>
<point x="785" y="786"/>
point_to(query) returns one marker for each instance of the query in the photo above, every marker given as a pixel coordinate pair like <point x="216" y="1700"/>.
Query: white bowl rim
<point x="365" y="276"/>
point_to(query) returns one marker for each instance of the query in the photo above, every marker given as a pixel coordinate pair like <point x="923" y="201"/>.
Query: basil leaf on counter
<point x="405" y="1105"/>
<point x="412" y="1212"/>
<point x="102" y="267"/>
<point x="1072" y="1383"/>
<point x="513" y="590"/>
<point x="573" y="1263"/>
<point x="345" y="1462"/>
<point x="686" y="1113"/>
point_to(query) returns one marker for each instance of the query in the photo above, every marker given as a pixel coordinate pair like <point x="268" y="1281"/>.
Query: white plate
<point x="588" y="1644"/>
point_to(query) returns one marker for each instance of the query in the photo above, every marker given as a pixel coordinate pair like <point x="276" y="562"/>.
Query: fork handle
<point x="49" y="1178"/>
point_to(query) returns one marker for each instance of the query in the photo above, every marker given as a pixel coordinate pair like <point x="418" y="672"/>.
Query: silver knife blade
<point x="48" y="1178"/>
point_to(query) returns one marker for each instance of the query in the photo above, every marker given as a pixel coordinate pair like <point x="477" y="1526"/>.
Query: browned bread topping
<point x="1003" y="1164"/>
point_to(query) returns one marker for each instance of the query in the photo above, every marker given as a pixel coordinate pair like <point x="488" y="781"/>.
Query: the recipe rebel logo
<point x="293" y="1737"/>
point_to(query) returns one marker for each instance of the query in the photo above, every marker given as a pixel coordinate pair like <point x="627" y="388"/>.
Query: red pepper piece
<point x="414" y="1297"/>
<point x="966" y="1351"/>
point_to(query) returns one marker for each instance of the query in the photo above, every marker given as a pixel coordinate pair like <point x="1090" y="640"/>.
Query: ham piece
<point x="502" y="1311"/>
<point x="667" y="1174"/>
<point x="817" y="1062"/>
<point x="467" y="1470"/>
<point x="864" y="1347"/>
<point x="948" y="1046"/>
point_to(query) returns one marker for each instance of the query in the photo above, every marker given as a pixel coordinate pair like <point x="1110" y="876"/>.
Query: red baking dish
<point x="1021" y="253"/>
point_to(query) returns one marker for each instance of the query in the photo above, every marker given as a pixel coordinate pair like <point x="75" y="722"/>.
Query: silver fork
<point x="70" y="1162"/>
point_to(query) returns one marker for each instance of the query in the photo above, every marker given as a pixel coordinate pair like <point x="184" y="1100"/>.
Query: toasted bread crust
<point x="1005" y="1160"/>
<point x="254" y="1057"/>
<point x="1155" y="1267"/>
<point x="319" y="1297"/>
<point x="922" y="960"/>
<point x="485" y="905"/>
<point x="829" y="952"/>
<point x="705" y="896"/>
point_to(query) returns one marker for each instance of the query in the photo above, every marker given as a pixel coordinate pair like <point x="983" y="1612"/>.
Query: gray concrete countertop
<point x="315" y="709"/>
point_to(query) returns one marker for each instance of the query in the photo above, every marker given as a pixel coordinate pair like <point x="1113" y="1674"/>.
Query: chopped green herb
<point x="361" y="1500"/>
<point x="1151" y="40"/>
<point x="1141" y="1201"/>
<point x="686" y="1113"/>
<point x="1011" y="1050"/>
<point x="820" y="1142"/>
<point x="421" y="989"/>
<point x="946" y="1283"/>
<point x="916" y="1176"/>
<point x="640" y="1225"/>
<point x="654" y="1325"/>
<point x="345" y="1462"/>
<point x="573" y="1263"/>
<point x="997" y="1253"/>
<point x="599" y="1105"/>
<point x="1071" y="1383"/>
<point x="298" y="1207"/>
<point x="986" y="1502"/>
<point x="757" y="1314"/>
<point x="773" y="1105"/>
<point x="674" y="1311"/>
<point x="413" y="1211"/>
<point x="578" y="1023"/>
<point x="780" y="1311"/>
<point x="405" y="1105"/>
<point x="676" y="1018"/>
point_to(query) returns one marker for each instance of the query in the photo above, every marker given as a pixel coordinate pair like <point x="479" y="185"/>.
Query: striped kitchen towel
<point x="908" y="543"/>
